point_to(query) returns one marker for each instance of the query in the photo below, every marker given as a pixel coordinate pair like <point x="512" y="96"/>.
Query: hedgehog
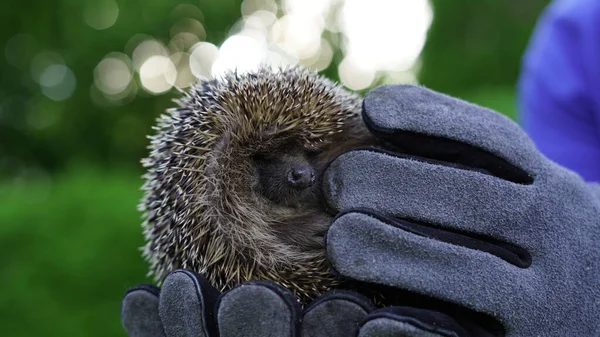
<point x="233" y="183"/>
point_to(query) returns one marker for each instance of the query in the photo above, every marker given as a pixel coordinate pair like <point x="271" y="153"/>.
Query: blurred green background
<point x="82" y="82"/>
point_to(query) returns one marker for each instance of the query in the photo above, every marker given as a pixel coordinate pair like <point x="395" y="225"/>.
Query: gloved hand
<point x="465" y="210"/>
<point x="184" y="307"/>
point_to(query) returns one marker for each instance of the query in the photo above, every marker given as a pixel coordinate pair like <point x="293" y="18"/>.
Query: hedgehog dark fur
<point x="204" y="206"/>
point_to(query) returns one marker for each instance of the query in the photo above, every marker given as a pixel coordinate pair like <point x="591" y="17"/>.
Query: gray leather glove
<point x="184" y="307"/>
<point x="346" y="313"/>
<point x="465" y="210"/>
<point x="341" y="313"/>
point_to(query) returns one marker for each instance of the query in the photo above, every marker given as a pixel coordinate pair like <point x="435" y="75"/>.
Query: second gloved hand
<point x="464" y="209"/>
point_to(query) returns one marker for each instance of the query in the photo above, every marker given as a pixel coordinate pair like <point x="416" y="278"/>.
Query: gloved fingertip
<point x="326" y="237"/>
<point x="383" y="327"/>
<point x="258" y="308"/>
<point x="337" y="313"/>
<point x="186" y="303"/>
<point x="149" y="288"/>
<point x="343" y="295"/>
<point x="139" y="312"/>
<point x="412" y="322"/>
<point x="203" y="287"/>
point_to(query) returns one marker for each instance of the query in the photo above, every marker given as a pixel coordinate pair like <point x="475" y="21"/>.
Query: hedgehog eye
<point x="259" y="156"/>
<point x="311" y="153"/>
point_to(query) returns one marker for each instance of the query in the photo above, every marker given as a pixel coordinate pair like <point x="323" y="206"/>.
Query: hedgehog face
<point x="288" y="175"/>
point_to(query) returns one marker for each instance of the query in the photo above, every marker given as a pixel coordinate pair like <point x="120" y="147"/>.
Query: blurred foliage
<point x="79" y="128"/>
<point x="69" y="234"/>
<point x="70" y="250"/>
<point x="471" y="45"/>
<point x="476" y="44"/>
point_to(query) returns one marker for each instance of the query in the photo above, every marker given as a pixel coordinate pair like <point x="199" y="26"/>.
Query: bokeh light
<point x="381" y="36"/>
<point x="385" y="35"/>
<point x="39" y="118"/>
<point x="353" y="75"/>
<point x="182" y="41"/>
<point x="183" y="11"/>
<point x="191" y="26"/>
<point x="202" y="58"/>
<point x="379" y="41"/>
<point x="19" y="50"/>
<point x="184" y="78"/>
<point x="57" y="82"/>
<point x="42" y="61"/>
<point x="252" y="6"/>
<point x="240" y="52"/>
<point x="158" y="74"/>
<point x="324" y="58"/>
<point x="147" y="49"/>
<point x="113" y="74"/>
<point x="299" y="38"/>
<point x="101" y="14"/>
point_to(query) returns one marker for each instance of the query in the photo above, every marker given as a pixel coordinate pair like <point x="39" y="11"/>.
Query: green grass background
<point x="69" y="251"/>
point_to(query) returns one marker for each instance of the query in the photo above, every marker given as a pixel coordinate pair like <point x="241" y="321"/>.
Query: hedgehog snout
<point x="301" y="177"/>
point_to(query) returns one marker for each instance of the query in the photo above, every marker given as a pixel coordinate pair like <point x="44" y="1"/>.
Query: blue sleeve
<point x="559" y="90"/>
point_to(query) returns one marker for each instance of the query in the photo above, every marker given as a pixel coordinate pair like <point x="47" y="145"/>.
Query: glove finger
<point x="385" y="327"/>
<point x="365" y="248"/>
<point x="433" y="125"/>
<point x="258" y="308"/>
<point x="186" y="305"/>
<point x="139" y="312"/>
<point x="337" y="313"/>
<point x="430" y="193"/>
<point x="413" y="322"/>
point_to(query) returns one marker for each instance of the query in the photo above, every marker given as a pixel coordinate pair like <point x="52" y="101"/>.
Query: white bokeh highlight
<point x="377" y="41"/>
<point x="113" y="74"/>
<point x="158" y="74"/>
<point x="383" y="35"/>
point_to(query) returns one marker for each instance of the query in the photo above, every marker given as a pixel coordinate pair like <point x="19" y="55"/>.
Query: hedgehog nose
<point x="301" y="177"/>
